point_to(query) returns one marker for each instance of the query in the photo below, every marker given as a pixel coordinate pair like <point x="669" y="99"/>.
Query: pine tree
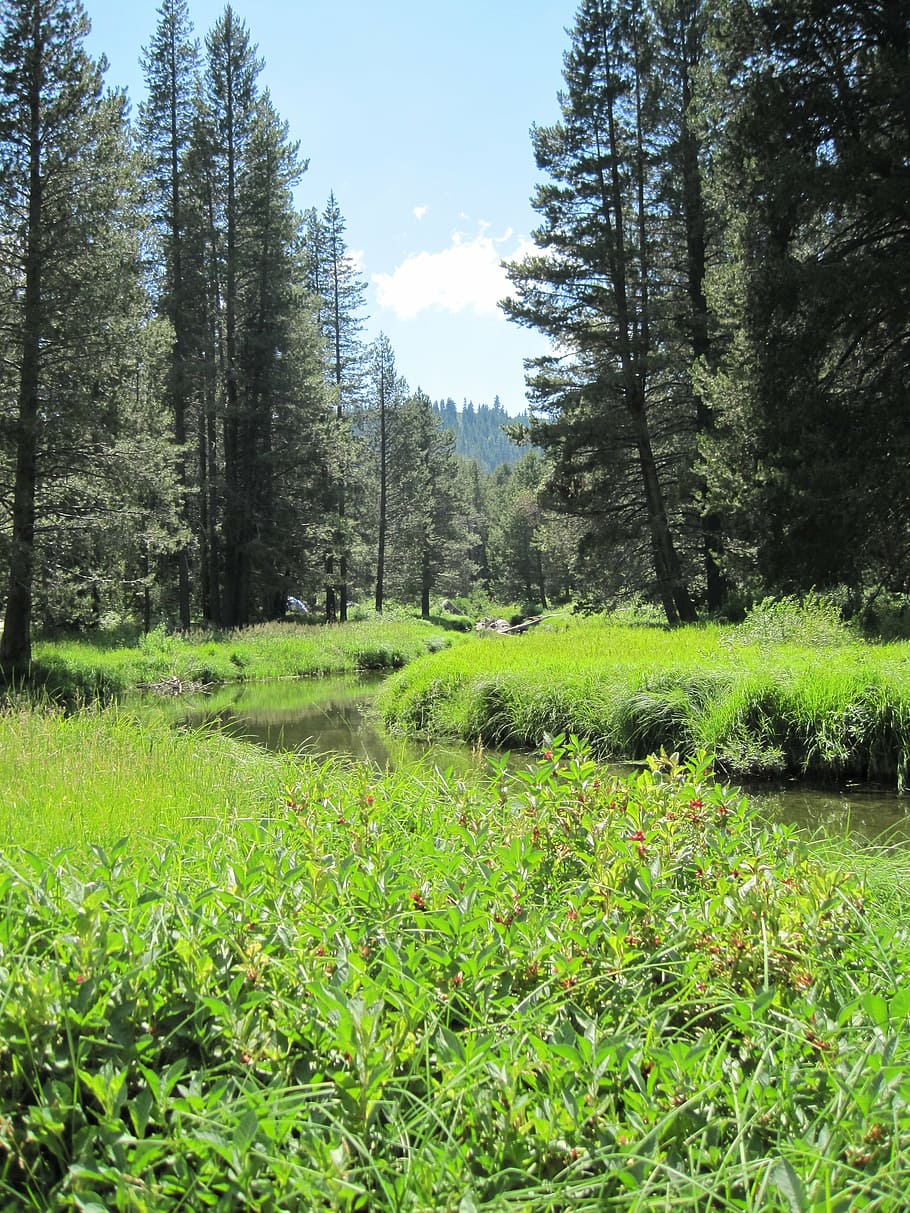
<point x="231" y="93"/>
<point x="71" y="270"/>
<point x="387" y="392"/>
<point x="428" y="531"/>
<point x="601" y="289"/>
<point x="813" y="442"/>
<point x="171" y="67"/>
<point x="335" y="280"/>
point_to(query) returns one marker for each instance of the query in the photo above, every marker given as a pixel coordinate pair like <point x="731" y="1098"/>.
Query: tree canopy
<point x="194" y="426"/>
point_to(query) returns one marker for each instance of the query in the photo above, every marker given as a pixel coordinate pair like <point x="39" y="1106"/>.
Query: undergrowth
<point x="550" y="989"/>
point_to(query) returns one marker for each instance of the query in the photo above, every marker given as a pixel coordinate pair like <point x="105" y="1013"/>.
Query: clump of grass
<point x="762" y="703"/>
<point x="95" y="776"/>
<point x="542" y="990"/>
<point x="89" y="669"/>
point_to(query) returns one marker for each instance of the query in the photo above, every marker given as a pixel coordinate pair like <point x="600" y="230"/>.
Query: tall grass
<point x="99" y="775"/>
<point x="550" y="989"/>
<point x="766" y="699"/>
<point x="90" y="668"/>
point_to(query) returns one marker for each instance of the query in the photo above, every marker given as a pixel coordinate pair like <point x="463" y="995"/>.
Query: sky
<point x="417" y="114"/>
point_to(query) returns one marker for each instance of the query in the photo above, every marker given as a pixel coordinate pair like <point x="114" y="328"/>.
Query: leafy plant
<point x="537" y="989"/>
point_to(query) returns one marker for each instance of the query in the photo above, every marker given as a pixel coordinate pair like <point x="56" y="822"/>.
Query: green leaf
<point x="246" y="1130"/>
<point x="788" y="1183"/>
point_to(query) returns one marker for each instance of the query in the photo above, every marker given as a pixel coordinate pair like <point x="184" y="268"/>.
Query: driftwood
<point x="503" y="627"/>
<point x="174" y="686"/>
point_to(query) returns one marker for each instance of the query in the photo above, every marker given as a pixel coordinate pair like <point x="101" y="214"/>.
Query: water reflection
<point x="869" y="814"/>
<point x="332" y="716"/>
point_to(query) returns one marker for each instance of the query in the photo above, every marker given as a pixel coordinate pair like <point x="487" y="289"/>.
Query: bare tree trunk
<point x="15" y="644"/>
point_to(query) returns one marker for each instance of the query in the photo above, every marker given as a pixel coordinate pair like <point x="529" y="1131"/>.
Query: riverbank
<point x="765" y="701"/>
<point x="100" y="666"/>
<point x="325" y="988"/>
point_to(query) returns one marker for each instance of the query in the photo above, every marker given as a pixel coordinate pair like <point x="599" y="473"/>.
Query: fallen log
<point x="503" y="627"/>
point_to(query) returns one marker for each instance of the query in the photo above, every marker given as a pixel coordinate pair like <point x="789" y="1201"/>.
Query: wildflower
<point x="458" y="979"/>
<point x="639" y="837"/>
<point x="695" y="805"/>
<point x="370" y="798"/>
<point x="418" y="901"/>
<point x="548" y="755"/>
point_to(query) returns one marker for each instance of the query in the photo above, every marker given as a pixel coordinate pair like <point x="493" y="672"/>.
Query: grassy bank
<point x="764" y="700"/>
<point x="323" y="989"/>
<point x="99" y="667"/>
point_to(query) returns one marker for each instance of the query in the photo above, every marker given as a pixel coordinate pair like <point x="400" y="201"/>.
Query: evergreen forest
<point x="194" y="428"/>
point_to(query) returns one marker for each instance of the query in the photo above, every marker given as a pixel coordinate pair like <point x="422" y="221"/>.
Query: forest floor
<point x="261" y="981"/>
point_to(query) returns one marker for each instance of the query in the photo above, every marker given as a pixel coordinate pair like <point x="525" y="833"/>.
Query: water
<point x="332" y="716"/>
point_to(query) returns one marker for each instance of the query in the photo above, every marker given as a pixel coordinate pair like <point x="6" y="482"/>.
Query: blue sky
<point x="417" y="114"/>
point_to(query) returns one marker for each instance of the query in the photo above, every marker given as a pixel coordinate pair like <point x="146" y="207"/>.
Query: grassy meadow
<point x="101" y="665"/>
<point x="789" y="692"/>
<point x="234" y="979"/>
<point x="258" y="983"/>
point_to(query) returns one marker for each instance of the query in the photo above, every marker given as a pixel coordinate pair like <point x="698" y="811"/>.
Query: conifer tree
<point x="387" y="392"/>
<point x="601" y="289"/>
<point x="70" y="277"/>
<point x="812" y="449"/>
<point x="429" y="535"/>
<point x="171" y="67"/>
<point x="335" y="280"/>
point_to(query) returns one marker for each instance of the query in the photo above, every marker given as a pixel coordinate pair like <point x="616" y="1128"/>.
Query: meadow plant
<point x="89" y="669"/>
<point x="543" y="989"/>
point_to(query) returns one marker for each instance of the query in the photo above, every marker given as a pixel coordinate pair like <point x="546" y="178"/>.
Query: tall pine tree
<point x="600" y="289"/>
<point x="70" y="271"/>
<point x="171" y="68"/>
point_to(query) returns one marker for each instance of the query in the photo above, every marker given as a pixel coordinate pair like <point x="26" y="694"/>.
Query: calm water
<point x="331" y="716"/>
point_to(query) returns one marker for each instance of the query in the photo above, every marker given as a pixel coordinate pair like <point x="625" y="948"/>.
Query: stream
<point x="327" y="716"/>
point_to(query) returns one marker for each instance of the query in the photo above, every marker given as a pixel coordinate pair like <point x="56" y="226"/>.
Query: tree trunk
<point x="15" y="644"/>
<point x="425" y="584"/>
<point x="383" y="496"/>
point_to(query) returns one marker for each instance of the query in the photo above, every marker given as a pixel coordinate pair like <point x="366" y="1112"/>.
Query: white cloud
<point x="419" y="212"/>
<point x="466" y="275"/>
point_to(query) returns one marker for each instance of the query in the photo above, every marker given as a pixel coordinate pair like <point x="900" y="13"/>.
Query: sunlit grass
<point x="323" y="988"/>
<point x="97" y="776"/>
<point x="268" y="651"/>
<point x="763" y="704"/>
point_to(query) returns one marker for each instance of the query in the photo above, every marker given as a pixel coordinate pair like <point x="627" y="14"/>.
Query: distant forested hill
<point x="478" y="431"/>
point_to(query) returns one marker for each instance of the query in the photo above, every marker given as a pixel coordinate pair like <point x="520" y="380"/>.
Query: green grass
<point x="97" y="776"/>
<point x="322" y="988"/>
<point x="764" y="701"/>
<point x="90" y="667"/>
